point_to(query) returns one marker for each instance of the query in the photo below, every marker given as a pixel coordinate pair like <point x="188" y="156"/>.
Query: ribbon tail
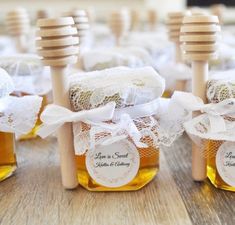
<point x="46" y="130"/>
<point x="217" y="124"/>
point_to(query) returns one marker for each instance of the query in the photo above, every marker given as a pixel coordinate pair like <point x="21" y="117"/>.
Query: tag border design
<point x="124" y="178"/>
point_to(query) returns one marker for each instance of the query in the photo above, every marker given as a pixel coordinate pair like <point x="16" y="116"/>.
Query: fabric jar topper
<point x="17" y="115"/>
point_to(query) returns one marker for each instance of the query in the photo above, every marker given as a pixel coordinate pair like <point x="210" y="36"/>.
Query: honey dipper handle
<point x="118" y="40"/>
<point x="199" y="81"/>
<point x="198" y="164"/>
<point x="60" y="85"/>
<point x="200" y="78"/>
<point x="178" y="54"/>
<point x="20" y="42"/>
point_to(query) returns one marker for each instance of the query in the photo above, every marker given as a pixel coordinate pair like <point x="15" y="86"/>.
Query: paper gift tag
<point x="113" y="165"/>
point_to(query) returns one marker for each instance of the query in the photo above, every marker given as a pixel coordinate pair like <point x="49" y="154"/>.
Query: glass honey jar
<point x="117" y="161"/>
<point x="29" y="78"/>
<point x="7" y="155"/>
<point x="221" y="164"/>
<point x="118" y="167"/>
<point x="221" y="152"/>
<point x="17" y="116"/>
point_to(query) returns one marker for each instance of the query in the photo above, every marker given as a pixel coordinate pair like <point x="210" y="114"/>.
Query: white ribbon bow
<point x="55" y="116"/>
<point x="214" y="112"/>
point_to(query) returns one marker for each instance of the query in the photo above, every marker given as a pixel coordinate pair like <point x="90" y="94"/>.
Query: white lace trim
<point x="18" y="115"/>
<point x="217" y="121"/>
<point x="146" y="125"/>
<point x="126" y="87"/>
<point x="151" y="131"/>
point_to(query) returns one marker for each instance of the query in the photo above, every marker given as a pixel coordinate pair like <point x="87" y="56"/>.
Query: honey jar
<point x="124" y="155"/>
<point x="7" y="155"/>
<point x="221" y="153"/>
<point x="17" y="115"/>
<point x="29" y="78"/>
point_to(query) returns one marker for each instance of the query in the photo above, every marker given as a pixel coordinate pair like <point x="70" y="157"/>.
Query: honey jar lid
<point x="122" y="85"/>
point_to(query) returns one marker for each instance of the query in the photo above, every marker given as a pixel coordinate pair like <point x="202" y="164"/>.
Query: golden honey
<point x="149" y="166"/>
<point x="212" y="171"/>
<point x="7" y="155"/>
<point x="167" y="94"/>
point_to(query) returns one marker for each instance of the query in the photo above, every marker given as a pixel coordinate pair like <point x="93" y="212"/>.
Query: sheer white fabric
<point x="127" y="88"/>
<point x="6" y="84"/>
<point x="19" y="115"/>
<point x="217" y="121"/>
<point x="104" y="58"/>
<point x="28" y="73"/>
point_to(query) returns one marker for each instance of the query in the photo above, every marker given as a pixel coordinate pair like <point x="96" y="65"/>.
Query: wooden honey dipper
<point x="174" y="23"/>
<point x="134" y="19"/>
<point x="218" y="10"/>
<point x="152" y="19"/>
<point x="18" y="26"/>
<point x="81" y="22"/>
<point x="199" y="37"/>
<point x="42" y="14"/>
<point x="58" y="47"/>
<point x="197" y="11"/>
<point x="119" y="24"/>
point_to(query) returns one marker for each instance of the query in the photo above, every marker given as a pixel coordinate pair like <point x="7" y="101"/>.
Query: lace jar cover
<point x="28" y="73"/>
<point x="217" y="121"/>
<point x="17" y="115"/>
<point x="115" y="104"/>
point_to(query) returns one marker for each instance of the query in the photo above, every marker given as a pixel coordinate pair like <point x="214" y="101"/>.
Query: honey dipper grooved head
<point x="42" y="13"/>
<point x="119" y="22"/>
<point x="174" y="23"/>
<point x="199" y="35"/>
<point x="17" y="22"/>
<point x="81" y="21"/>
<point x="57" y="42"/>
<point x="152" y="17"/>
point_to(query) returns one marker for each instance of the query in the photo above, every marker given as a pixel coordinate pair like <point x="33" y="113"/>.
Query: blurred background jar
<point x="8" y="162"/>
